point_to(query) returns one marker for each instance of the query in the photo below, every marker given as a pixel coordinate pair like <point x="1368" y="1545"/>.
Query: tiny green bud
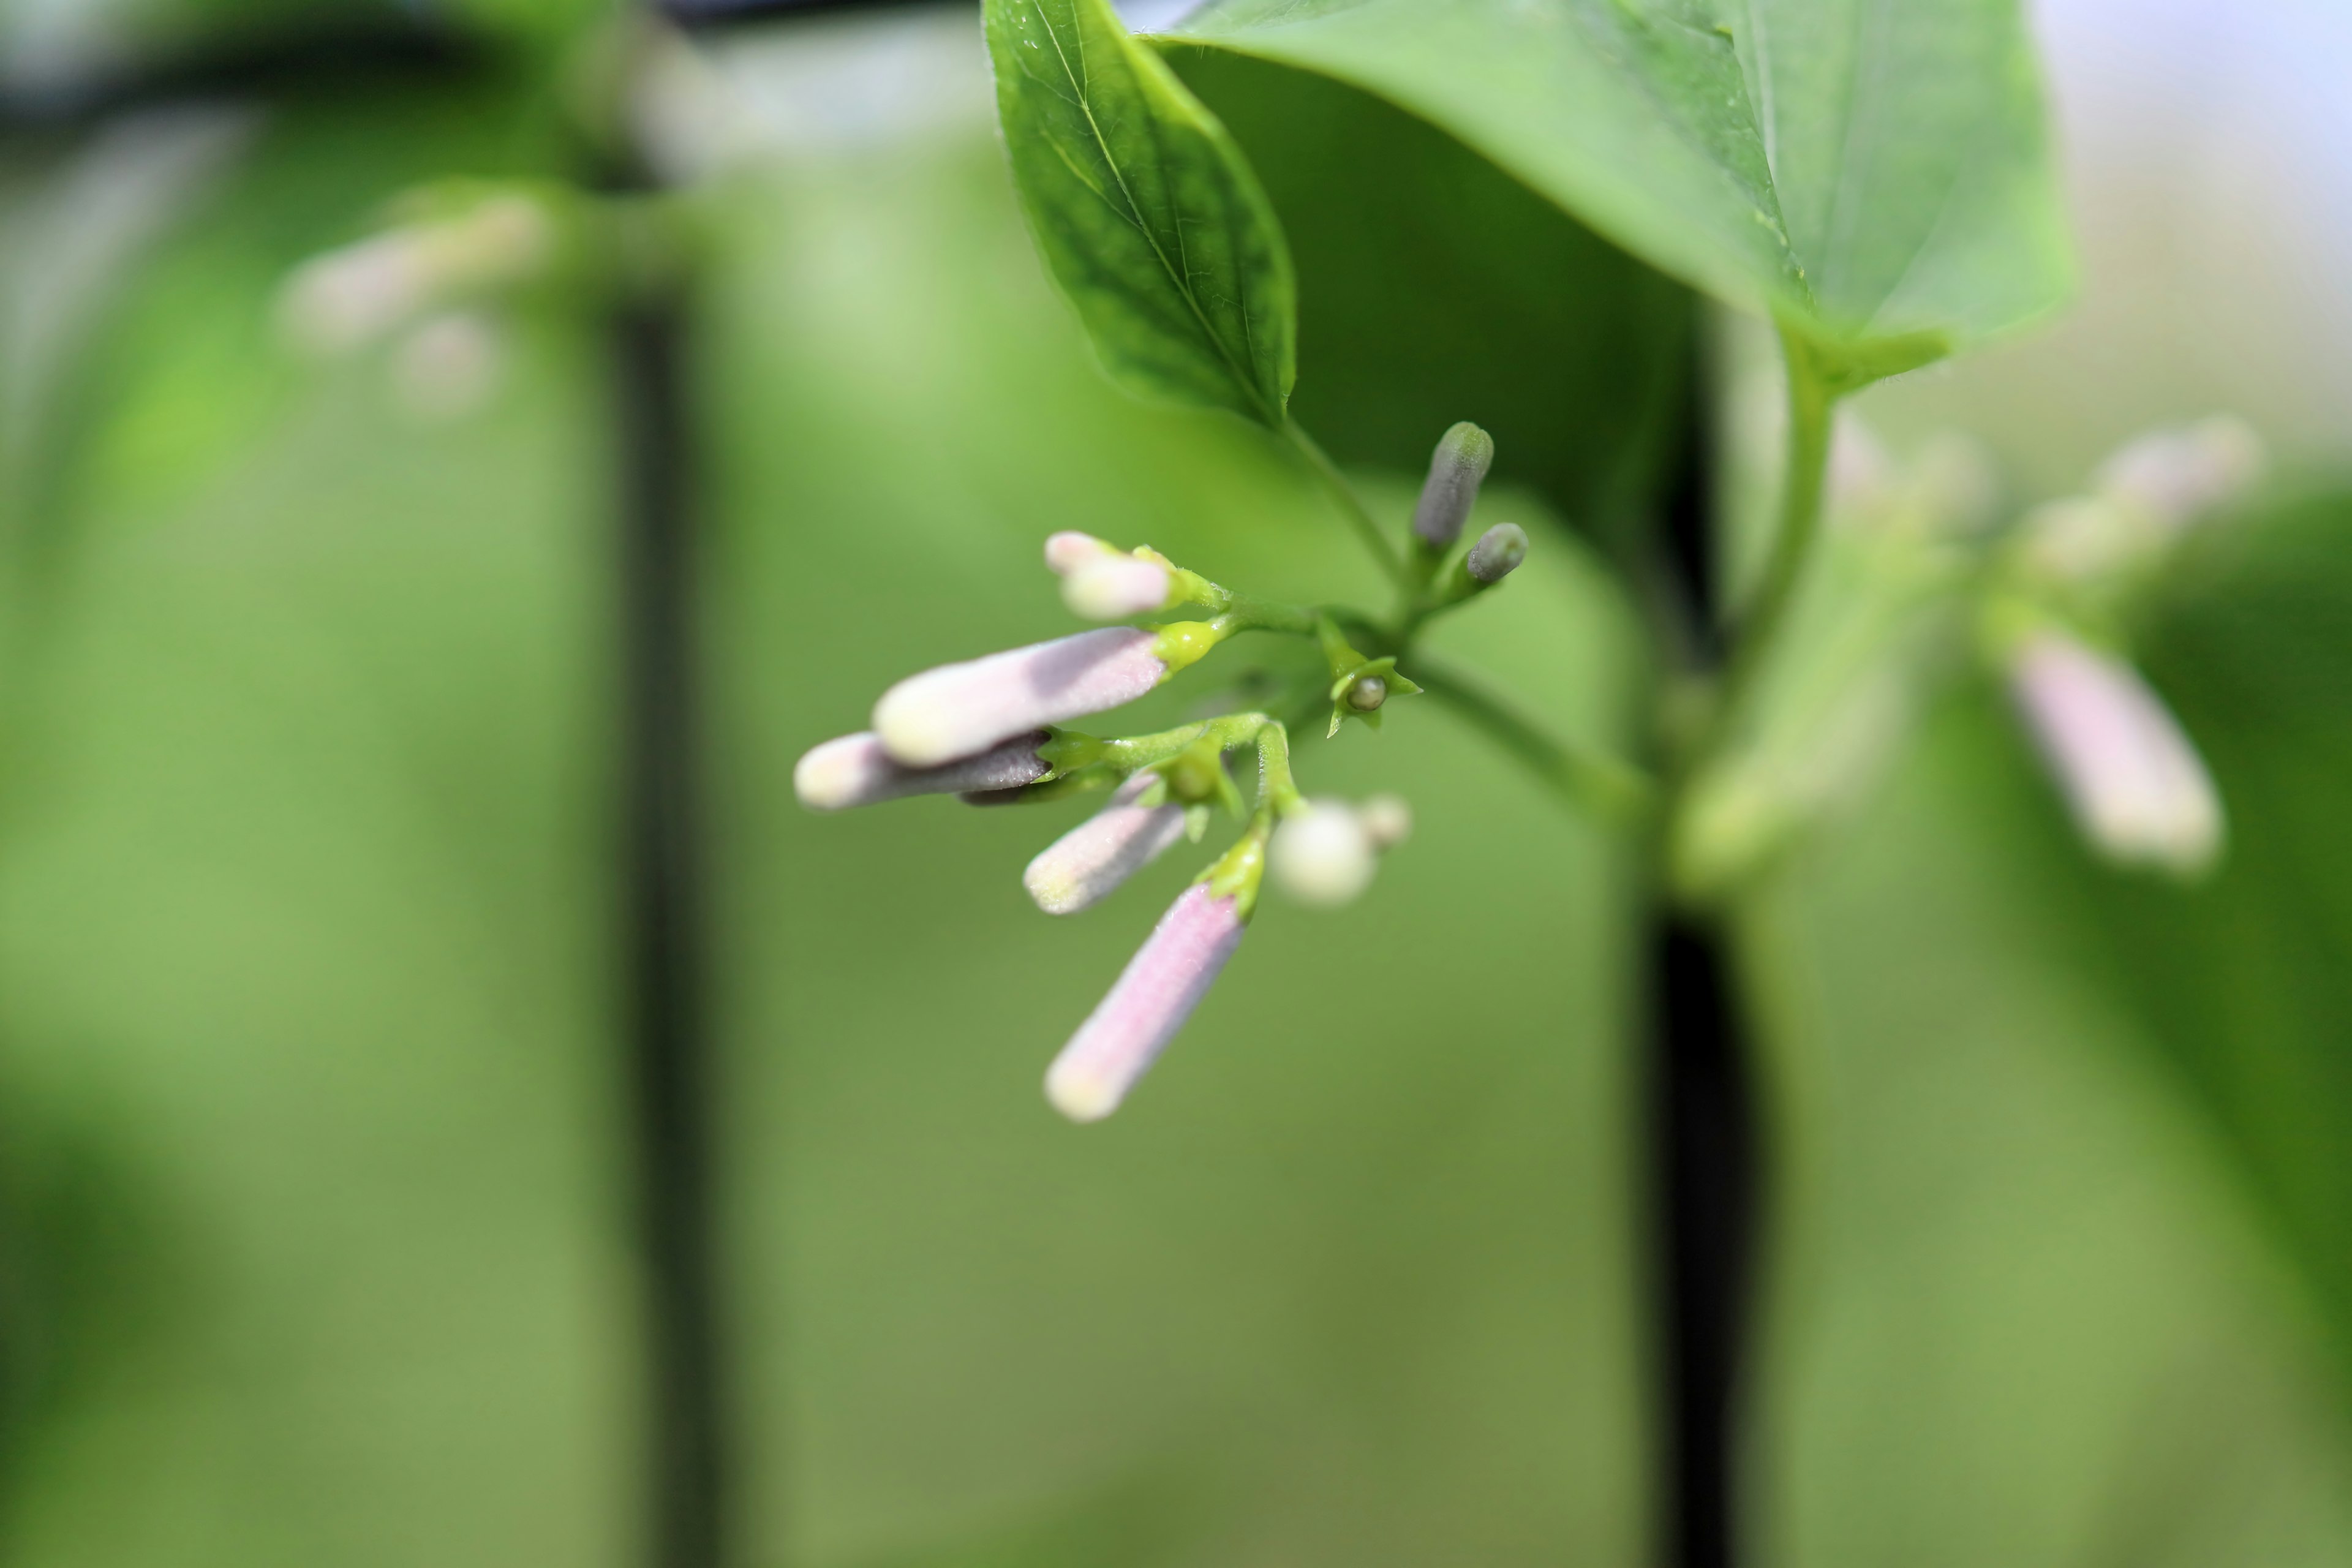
<point x="1497" y="554"/>
<point x="1455" y="470"/>
<point x="1367" y="693"/>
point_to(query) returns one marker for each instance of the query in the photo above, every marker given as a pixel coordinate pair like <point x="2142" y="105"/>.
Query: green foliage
<point x="1434" y="287"/>
<point x="1866" y="171"/>
<point x="1146" y="213"/>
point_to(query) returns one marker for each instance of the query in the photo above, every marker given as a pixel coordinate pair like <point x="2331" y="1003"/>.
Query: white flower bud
<point x="853" y="770"/>
<point x="449" y="365"/>
<point x="1152" y="998"/>
<point x="957" y="710"/>
<point x="349" y="298"/>
<point x="1388" y="820"/>
<point x="2176" y="476"/>
<point x="2136" y="787"/>
<point x="1104" y="584"/>
<point x="1497" y="553"/>
<point x="1324" y="854"/>
<point x="1455" y="471"/>
<point x="1087" y="863"/>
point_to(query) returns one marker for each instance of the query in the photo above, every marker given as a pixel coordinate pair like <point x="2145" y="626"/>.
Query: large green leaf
<point x="1146" y="213"/>
<point x="1867" y="170"/>
<point x="1434" y="287"/>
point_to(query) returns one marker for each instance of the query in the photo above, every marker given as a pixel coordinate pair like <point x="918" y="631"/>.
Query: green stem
<point x="1277" y="792"/>
<point x="1811" y="399"/>
<point x="1610" y="789"/>
<point x="1359" y="516"/>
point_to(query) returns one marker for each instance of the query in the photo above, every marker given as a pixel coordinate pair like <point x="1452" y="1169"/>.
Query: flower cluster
<point x="990" y="729"/>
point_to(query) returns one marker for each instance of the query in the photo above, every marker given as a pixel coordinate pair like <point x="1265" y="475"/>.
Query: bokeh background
<point x="318" y="1235"/>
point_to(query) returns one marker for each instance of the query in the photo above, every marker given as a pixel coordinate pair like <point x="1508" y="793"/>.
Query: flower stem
<point x="1352" y="505"/>
<point x="1603" y="786"/>
<point x="1811" y="399"/>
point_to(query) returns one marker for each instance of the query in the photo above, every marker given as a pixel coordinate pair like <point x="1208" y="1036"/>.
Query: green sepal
<point x="1196" y="823"/>
<point x="1184" y="643"/>
<point x="1067" y="752"/>
<point x="1238" y="873"/>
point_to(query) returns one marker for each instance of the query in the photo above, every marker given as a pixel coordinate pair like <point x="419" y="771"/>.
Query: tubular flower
<point x="957" y="710"/>
<point x="854" y="769"/>
<point x="1455" y="470"/>
<point x="1088" y="863"/>
<point x="1152" y="998"/>
<point x="2136" y="787"/>
<point x="1105" y="583"/>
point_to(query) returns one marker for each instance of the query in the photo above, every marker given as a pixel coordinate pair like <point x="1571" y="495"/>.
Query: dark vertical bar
<point x="669" y="1049"/>
<point x="1702" y="1121"/>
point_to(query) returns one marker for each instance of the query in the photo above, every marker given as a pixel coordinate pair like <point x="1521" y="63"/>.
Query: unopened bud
<point x="1154" y="995"/>
<point x="1367" y="694"/>
<point x="853" y="770"/>
<point x="1088" y="863"/>
<point x="1324" y="854"/>
<point x="1455" y="470"/>
<point x="957" y="709"/>
<point x="2176" y="476"/>
<point x="1497" y="553"/>
<point x="2137" y="788"/>
<point x="1388" y="820"/>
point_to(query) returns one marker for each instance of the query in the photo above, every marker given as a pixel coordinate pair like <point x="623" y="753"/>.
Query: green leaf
<point x="1146" y="213"/>
<point x="1863" y="169"/>
<point x="1432" y="287"/>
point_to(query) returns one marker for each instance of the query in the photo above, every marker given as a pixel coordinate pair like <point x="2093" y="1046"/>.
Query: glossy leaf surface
<point x="1146" y="213"/>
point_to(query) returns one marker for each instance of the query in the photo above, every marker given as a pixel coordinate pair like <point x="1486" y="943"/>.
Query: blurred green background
<point x="315" y="1172"/>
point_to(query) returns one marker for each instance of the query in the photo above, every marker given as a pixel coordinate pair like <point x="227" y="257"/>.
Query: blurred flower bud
<point x="1087" y="863"/>
<point x="853" y="770"/>
<point x="1388" y="820"/>
<point x="2177" y="476"/>
<point x="2137" y="789"/>
<point x="1151" y="1002"/>
<point x="1497" y="553"/>
<point x="349" y="298"/>
<point x="448" y="366"/>
<point x="1455" y="470"/>
<point x="957" y="710"/>
<point x="1324" y="854"/>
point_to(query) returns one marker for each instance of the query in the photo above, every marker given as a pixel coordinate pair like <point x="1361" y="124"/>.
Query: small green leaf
<point x="1146" y="213"/>
<point x="1863" y="171"/>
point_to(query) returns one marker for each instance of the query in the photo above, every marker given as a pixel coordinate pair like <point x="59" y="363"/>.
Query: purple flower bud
<point x="853" y="770"/>
<point x="957" y="709"/>
<point x="1455" y="470"/>
<point x="1160" y="987"/>
<point x="1497" y="554"/>
<point x="1087" y="863"/>
<point x="2177" y="476"/>
<point x="2136" y="787"/>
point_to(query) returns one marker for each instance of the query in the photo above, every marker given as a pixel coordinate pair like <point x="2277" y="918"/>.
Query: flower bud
<point x="1497" y="554"/>
<point x="1455" y="470"/>
<point x="853" y="770"/>
<point x="1103" y="583"/>
<point x="1388" y="820"/>
<point x="2175" y="476"/>
<point x="351" y="297"/>
<point x="2133" y="782"/>
<point x="1152" y="998"/>
<point x="957" y="709"/>
<point x="1087" y="863"/>
<point x="1323" y="854"/>
<point x="1366" y="693"/>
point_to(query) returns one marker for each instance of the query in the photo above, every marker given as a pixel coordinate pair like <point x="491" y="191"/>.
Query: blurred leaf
<point x="1869" y="171"/>
<point x="2066" y="1154"/>
<point x="1148" y="215"/>
<point x="1434" y="287"/>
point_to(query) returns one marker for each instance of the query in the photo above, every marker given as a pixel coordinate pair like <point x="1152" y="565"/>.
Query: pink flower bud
<point x="1104" y="583"/>
<point x="2136" y="787"/>
<point x="1160" y="987"/>
<point x="853" y="770"/>
<point x="1087" y="864"/>
<point x="957" y="709"/>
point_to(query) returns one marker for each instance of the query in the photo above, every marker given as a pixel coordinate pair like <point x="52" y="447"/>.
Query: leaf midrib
<point x="1182" y="281"/>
